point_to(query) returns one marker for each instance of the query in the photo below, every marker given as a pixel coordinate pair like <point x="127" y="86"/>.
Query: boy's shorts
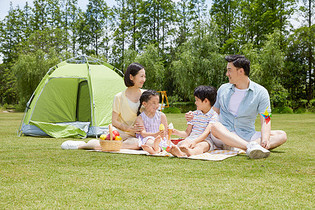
<point x="218" y="144"/>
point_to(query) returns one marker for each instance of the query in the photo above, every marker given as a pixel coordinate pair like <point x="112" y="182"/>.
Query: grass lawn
<point x="35" y="173"/>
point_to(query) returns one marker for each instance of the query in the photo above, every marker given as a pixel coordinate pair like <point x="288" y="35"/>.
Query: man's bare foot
<point x="176" y="152"/>
<point x="156" y="145"/>
<point x="186" y="150"/>
<point x="148" y="149"/>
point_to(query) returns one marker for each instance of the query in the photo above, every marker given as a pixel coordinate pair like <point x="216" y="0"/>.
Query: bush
<point x="283" y="110"/>
<point x="300" y="110"/>
<point x="185" y="106"/>
<point x="171" y="110"/>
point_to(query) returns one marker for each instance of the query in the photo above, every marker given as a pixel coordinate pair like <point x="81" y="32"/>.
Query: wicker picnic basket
<point x="110" y="145"/>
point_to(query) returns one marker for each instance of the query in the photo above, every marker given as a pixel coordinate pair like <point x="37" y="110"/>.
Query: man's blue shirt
<point x="255" y="101"/>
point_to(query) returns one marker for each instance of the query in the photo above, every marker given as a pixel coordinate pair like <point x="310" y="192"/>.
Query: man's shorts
<point x="218" y="144"/>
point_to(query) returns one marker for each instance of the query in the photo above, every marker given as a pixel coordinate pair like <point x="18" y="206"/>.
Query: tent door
<point x="83" y="112"/>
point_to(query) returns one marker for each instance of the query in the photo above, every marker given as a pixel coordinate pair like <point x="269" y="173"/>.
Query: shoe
<point x="255" y="151"/>
<point x="72" y="144"/>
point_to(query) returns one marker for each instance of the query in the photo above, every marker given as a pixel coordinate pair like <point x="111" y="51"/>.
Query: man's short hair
<point x="133" y="70"/>
<point x="206" y="92"/>
<point x="239" y="61"/>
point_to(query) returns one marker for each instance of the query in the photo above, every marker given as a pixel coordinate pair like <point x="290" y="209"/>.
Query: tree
<point x="198" y="62"/>
<point x="96" y="15"/>
<point x="154" y="67"/>
<point x="226" y="15"/>
<point x="30" y="69"/>
<point x="307" y="11"/>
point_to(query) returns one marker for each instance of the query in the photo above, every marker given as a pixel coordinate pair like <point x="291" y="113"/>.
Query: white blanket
<point x="214" y="155"/>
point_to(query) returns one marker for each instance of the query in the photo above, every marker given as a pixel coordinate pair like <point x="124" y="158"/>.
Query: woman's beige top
<point x="126" y="109"/>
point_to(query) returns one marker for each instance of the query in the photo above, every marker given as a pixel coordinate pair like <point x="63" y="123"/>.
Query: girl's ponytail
<point x="138" y="112"/>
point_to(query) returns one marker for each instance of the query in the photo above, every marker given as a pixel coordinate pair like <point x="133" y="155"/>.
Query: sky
<point x="5" y="6"/>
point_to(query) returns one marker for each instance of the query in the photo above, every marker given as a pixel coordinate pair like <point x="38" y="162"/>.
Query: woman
<point x="125" y="107"/>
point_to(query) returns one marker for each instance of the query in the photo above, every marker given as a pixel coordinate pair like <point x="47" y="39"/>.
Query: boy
<point x="205" y="97"/>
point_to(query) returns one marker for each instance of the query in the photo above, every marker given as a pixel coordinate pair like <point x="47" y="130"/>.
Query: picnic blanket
<point x="215" y="155"/>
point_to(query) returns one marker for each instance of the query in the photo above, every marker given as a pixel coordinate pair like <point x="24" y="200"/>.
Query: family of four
<point x="224" y="119"/>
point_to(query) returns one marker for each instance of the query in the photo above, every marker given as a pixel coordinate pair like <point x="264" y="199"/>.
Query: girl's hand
<point x="162" y="133"/>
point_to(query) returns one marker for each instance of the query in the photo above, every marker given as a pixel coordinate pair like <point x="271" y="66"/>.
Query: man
<point x="238" y="104"/>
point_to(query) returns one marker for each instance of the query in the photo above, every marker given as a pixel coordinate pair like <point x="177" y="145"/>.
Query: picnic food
<point x="161" y="127"/>
<point x="116" y="133"/>
<point x="118" y="138"/>
<point x="103" y="136"/>
<point x="170" y="130"/>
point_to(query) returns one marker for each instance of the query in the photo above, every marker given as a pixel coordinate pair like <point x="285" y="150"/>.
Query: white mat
<point x="215" y="155"/>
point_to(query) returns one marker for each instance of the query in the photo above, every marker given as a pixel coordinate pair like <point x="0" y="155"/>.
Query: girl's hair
<point x="132" y="69"/>
<point x="145" y="97"/>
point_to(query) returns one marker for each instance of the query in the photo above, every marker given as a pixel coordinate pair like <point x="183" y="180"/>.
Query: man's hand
<point x="265" y="144"/>
<point x="189" y="116"/>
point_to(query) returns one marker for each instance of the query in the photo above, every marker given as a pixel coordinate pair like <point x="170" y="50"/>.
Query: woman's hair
<point x="133" y="70"/>
<point x="145" y="97"/>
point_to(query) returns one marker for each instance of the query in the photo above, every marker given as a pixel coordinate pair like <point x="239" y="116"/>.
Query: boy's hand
<point x="189" y="116"/>
<point x="192" y="145"/>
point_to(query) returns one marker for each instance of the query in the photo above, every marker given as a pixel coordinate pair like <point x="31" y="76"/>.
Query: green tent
<point x="74" y="99"/>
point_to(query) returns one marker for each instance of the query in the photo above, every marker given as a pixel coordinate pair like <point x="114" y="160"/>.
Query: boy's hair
<point x="206" y="92"/>
<point x="132" y="69"/>
<point x="145" y="97"/>
<point x="239" y="61"/>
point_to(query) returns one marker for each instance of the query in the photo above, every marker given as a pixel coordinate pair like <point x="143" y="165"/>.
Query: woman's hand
<point x="137" y="128"/>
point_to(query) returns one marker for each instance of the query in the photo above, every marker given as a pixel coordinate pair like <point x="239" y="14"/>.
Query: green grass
<point x="35" y="173"/>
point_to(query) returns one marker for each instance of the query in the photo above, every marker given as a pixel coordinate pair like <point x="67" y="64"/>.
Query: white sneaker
<point x="255" y="151"/>
<point x="72" y="144"/>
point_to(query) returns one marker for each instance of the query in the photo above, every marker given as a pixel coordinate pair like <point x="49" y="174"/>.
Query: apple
<point x="116" y="133"/>
<point x="108" y="136"/>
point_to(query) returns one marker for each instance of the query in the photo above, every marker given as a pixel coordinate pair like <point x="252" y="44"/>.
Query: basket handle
<point x="110" y="128"/>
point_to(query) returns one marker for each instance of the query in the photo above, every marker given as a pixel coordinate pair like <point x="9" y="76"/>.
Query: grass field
<point x="35" y="173"/>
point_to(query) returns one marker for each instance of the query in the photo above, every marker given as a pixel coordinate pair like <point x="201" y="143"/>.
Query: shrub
<point x="185" y="106"/>
<point x="171" y="110"/>
<point x="300" y="110"/>
<point x="283" y="110"/>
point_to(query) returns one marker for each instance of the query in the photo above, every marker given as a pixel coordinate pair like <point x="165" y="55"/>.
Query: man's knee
<point x="283" y="136"/>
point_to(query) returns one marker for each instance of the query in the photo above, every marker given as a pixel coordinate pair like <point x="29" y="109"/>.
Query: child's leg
<point x="200" y="148"/>
<point x="156" y="143"/>
<point x="177" y="152"/>
<point x="184" y="143"/>
<point x="149" y="146"/>
<point x="148" y="149"/>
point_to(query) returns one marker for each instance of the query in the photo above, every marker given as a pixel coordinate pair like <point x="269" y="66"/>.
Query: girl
<point x="151" y="139"/>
